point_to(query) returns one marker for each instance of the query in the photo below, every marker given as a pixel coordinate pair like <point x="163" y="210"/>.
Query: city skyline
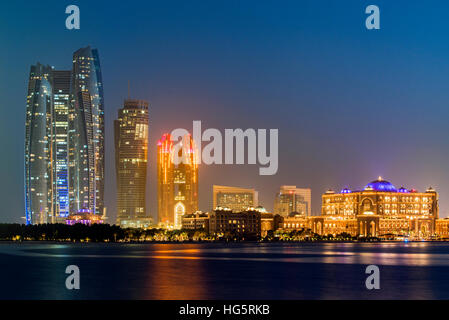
<point x="61" y="93"/>
<point x="347" y="102"/>
<point x="194" y="155"/>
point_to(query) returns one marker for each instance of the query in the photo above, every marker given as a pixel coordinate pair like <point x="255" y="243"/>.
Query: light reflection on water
<point x="340" y="253"/>
<point x="224" y="271"/>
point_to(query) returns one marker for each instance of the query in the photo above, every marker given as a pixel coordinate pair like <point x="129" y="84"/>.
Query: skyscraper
<point x="131" y="154"/>
<point x="177" y="184"/>
<point x="236" y="199"/>
<point x="86" y="133"/>
<point x="60" y="81"/>
<point x="38" y="172"/>
<point x="291" y="199"/>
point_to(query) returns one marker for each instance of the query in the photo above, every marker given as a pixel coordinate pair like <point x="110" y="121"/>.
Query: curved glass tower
<point x="86" y="134"/>
<point x="38" y="128"/>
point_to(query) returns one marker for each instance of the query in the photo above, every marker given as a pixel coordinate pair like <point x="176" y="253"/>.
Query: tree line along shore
<point x="112" y="233"/>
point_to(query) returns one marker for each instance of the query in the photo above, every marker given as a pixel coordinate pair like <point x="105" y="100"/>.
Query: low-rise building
<point x="224" y="221"/>
<point x="442" y="228"/>
<point x="84" y="216"/>
<point x="196" y="221"/>
<point x="294" y="221"/>
<point x="143" y="223"/>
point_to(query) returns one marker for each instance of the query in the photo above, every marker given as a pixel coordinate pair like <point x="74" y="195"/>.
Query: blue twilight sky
<point x="350" y="104"/>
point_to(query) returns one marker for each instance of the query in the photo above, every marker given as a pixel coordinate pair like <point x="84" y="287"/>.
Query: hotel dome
<point x="346" y="190"/>
<point x="380" y="185"/>
<point x="403" y="190"/>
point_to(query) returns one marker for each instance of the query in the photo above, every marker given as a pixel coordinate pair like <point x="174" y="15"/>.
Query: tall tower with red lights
<point x="177" y="183"/>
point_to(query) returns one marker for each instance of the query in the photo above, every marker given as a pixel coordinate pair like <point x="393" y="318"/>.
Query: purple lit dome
<point x="381" y="185"/>
<point x="403" y="190"/>
<point x="345" y="190"/>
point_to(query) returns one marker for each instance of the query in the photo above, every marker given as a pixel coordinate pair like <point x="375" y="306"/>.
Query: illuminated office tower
<point x="60" y="81"/>
<point x="291" y="199"/>
<point x="177" y="184"/>
<point x="131" y="153"/>
<point x="236" y="199"/>
<point x="86" y="134"/>
<point x="37" y="146"/>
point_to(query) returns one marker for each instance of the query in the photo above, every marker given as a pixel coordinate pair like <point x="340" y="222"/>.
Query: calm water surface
<point x="224" y="271"/>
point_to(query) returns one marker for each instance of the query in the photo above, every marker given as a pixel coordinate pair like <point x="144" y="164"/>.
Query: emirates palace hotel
<point x="379" y="209"/>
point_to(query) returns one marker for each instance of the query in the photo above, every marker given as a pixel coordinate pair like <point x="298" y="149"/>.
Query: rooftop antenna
<point x="128" y="89"/>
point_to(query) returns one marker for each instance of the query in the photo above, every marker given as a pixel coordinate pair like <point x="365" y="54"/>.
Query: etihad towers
<point x="60" y="83"/>
<point x="86" y="133"/>
<point x="38" y="170"/>
<point x="46" y="129"/>
<point x="64" y="140"/>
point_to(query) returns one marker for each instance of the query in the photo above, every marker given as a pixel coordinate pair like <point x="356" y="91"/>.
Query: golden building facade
<point x="442" y="229"/>
<point x="295" y="222"/>
<point x="177" y="183"/>
<point x="196" y="221"/>
<point x="131" y="153"/>
<point x="378" y="210"/>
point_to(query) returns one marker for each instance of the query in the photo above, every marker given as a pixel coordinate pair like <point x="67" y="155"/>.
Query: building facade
<point x="196" y="221"/>
<point x="295" y="222"/>
<point x="442" y="228"/>
<point x="292" y="199"/>
<point x="84" y="217"/>
<point x="131" y="162"/>
<point x="177" y="183"/>
<point x="269" y="222"/>
<point x="86" y="133"/>
<point x="60" y="81"/>
<point x="380" y="210"/>
<point x="224" y="221"/>
<point x="38" y="126"/>
<point x="234" y="198"/>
